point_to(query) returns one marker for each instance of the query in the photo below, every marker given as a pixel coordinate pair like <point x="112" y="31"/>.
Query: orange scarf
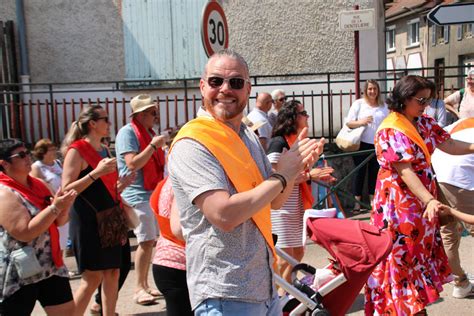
<point x="235" y="158"/>
<point x="400" y="123"/>
<point x="163" y="222"/>
<point x="153" y="169"/>
<point x="463" y="124"/>
<point x="305" y="188"/>
<point x="39" y="196"/>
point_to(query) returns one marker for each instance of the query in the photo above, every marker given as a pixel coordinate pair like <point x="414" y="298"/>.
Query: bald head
<point x="227" y="53"/>
<point x="264" y="102"/>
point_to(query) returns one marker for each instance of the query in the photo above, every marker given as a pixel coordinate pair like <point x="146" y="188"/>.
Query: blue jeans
<point x="220" y="307"/>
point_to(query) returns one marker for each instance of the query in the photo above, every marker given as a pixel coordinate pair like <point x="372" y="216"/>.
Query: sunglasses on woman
<point x="105" y="118"/>
<point x="21" y="154"/>
<point x="423" y="101"/>
<point x="234" y="83"/>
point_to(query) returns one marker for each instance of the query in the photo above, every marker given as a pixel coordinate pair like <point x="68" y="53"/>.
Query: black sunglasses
<point x="303" y="113"/>
<point x="423" y="101"/>
<point x="234" y="83"/>
<point x="21" y="154"/>
<point x="105" y="118"/>
<point x="282" y="99"/>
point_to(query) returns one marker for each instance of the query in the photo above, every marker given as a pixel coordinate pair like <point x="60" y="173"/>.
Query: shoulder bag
<point x="348" y="139"/>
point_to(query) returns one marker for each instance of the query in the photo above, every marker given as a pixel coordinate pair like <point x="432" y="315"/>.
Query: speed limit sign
<point x="214" y="31"/>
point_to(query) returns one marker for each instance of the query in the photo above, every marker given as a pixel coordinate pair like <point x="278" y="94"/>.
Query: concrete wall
<point x="287" y="36"/>
<point x="72" y="40"/>
<point x="7" y="10"/>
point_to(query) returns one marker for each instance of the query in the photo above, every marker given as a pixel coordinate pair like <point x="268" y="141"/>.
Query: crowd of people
<point x="206" y="210"/>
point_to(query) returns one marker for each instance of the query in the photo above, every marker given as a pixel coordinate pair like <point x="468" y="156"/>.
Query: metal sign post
<point x="354" y="21"/>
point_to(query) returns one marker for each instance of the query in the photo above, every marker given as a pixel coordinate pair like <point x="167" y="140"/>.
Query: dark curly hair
<point x="7" y="146"/>
<point x="286" y="119"/>
<point x="406" y="88"/>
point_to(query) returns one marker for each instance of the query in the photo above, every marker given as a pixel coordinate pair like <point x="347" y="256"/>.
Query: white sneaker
<point x="462" y="292"/>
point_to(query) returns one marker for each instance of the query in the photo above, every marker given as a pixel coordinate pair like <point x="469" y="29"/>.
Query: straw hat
<point x="141" y="103"/>
<point x="253" y="126"/>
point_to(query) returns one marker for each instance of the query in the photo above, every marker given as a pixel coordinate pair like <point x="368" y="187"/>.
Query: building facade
<point x="413" y="42"/>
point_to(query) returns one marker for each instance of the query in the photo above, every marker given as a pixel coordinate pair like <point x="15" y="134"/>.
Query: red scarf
<point x="153" y="169"/>
<point x="305" y="188"/>
<point x="92" y="157"/>
<point x="39" y="196"/>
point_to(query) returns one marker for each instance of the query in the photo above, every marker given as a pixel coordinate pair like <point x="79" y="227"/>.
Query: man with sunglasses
<point x="139" y="150"/>
<point x="224" y="186"/>
<point x="279" y="98"/>
<point x="263" y="104"/>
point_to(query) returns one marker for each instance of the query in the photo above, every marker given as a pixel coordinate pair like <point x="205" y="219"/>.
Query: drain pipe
<point x="24" y="69"/>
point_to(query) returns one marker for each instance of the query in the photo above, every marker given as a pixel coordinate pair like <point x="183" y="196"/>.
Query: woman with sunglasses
<point x="287" y="222"/>
<point x="369" y="112"/>
<point x="29" y="216"/>
<point x="92" y="172"/>
<point x="405" y="204"/>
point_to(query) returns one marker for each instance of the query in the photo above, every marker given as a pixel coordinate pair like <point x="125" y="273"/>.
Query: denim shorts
<point x="220" y="307"/>
<point x="147" y="229"/>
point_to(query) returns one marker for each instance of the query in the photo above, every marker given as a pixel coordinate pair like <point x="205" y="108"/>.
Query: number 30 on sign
<point x="214" y="30"/>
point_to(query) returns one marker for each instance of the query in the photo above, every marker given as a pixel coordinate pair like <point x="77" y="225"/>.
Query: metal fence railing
<point x="36" y="110"/>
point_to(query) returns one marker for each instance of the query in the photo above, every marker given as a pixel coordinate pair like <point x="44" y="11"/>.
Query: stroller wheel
<point x="320" y="312"/>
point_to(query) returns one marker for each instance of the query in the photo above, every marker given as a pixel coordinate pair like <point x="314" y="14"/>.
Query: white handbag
<point x="349" y="139"/>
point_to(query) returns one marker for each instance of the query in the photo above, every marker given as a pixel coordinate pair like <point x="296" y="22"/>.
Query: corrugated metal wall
<point x="163" y="39"/>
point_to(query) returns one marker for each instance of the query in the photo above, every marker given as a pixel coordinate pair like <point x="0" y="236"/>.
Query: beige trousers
<point x="462" y="200"/>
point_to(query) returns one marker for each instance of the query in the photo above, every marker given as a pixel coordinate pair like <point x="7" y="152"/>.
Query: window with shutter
<point x="446" y="34"/>
<point x="433" y="35"/>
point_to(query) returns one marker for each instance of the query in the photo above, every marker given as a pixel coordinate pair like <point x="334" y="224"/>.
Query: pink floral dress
<point x="413" y="274"/>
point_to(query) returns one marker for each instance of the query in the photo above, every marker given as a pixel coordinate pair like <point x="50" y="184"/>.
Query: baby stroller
<point x="357" y="247"/>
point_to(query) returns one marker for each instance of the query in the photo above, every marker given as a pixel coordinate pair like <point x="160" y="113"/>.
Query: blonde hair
<point x="80" y="128"/>
<point x="366" y="87"/>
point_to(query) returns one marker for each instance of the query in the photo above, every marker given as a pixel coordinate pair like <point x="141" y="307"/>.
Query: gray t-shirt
<point x="231" y="265"/>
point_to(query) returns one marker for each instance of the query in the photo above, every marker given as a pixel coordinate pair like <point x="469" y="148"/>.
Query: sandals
<point x="95" y="309"/>
<point x="154" y="292"/>
<point x="142" y="297"/>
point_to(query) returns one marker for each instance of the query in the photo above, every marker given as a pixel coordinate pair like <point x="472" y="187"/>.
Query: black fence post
<point x="53" y="119"/>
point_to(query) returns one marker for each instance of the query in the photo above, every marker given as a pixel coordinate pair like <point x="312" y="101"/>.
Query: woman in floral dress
<point x="405" y="203"/>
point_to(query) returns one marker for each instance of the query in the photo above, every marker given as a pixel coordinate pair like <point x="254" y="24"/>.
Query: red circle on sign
<point x="211" y="7"/>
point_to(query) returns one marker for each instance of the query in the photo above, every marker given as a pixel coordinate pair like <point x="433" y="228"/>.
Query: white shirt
<point x="466" y="108"/>
<point x="257" y="115"/>
<point x="457" y="170"/>
<point x="359" y="110"/>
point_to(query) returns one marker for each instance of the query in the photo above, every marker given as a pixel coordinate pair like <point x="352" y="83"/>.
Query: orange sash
<point x="399" y="122"/>
<point x="463" y="124"/>
<point x="305" y="188"/>
<point x="236" y="160"/>
<point x="163" y="222"/>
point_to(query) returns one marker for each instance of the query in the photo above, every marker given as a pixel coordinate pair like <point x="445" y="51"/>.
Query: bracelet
<point x="54" y="209"/>
<point x="281" y="178"/>
<point x="92" y="178"/>
<point x="426" y="204"/>
<point x="153" y="146"/>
